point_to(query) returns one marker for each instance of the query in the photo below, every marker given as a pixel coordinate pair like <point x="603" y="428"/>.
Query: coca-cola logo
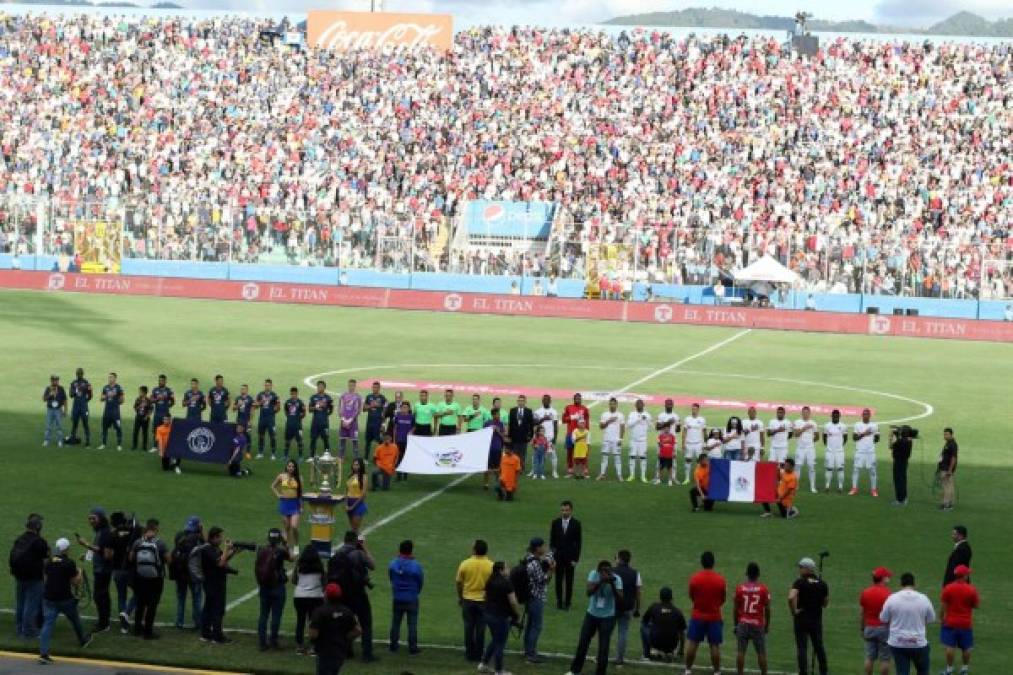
<point x="357" y="30"/>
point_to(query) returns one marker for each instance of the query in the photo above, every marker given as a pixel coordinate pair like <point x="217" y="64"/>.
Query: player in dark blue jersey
<point x="218" y="400"/>
<point x="321" y="405"/>
<point x="243" y="406"/>
<point x="268" y="404"/>
<point x="240" y="449"/>
<point x="374" y="405"/>
<point x="112" y="397"/>
<point x="142" y="418"/>
<point x="295" y="411"/>
<point x="163" y="399"/>
<point x="80" y="394"/>
<point x="194" y="401"/>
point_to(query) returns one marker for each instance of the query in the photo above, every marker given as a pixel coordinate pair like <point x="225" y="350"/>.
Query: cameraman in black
<point x="900" y="448"/>
<point x="215" y="566"/>
<point x="125" y="532"/>
<point x="269" y="569"/>
<point x="349" y="567"/>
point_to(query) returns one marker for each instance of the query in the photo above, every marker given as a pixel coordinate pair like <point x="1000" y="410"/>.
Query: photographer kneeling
<point x="269" y="569"/>
<point x="215" y="570"/>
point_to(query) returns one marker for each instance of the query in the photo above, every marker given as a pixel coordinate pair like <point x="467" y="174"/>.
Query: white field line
<point x="927" y="408"/>
<point x="672" y="366"/>
<point x="457" y="648"/>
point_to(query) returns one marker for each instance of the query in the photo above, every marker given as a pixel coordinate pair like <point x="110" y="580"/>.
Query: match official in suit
<point x="521" y="428"/>
<point x="960" y="555"/>
<point x="565" y="541"/>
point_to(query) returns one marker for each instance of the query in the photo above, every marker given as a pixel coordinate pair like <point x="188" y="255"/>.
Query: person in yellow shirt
<point x="385" y="457"/>
<point x="355" y="495"/>
<point x="509" y="469"/>
<point x="287" y="487"/>
<point x="472" y="576"/>
<point x="580" y="450"/>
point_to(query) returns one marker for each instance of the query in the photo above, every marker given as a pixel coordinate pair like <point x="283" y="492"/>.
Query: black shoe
<point x="414" y="652"/>
<point x="86" y="641"/>
<point x="222" y="640"/>
<point x="45" y="660"/>
<point x="124" y="623"/>
<point x="151" y="636"/>
<point x="100" y="628"/>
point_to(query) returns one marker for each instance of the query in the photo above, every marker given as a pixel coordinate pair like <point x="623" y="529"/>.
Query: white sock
<point x="633" y="466"/>
<point x="873" y="476"/>
<point x="854" y="478"/>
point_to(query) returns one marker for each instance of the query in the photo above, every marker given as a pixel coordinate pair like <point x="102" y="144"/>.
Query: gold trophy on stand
<point x="325" y="476"/>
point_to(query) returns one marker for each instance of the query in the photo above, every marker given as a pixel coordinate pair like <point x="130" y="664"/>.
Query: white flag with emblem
<point x="460" y="453"/>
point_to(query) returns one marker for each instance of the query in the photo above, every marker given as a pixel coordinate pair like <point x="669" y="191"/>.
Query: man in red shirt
<point x="874" y="631"/>
<point x="572" y="415"/>
<point x="707" y="590"/>
<point x="752" y="618"/>
<point x="959" y="600"/>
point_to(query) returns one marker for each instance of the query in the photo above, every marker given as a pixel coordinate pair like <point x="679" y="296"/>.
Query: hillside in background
<point x="960" y="24"/>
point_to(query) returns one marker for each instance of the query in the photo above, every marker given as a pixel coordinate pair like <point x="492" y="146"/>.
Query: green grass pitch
<point x="967" y="386"/>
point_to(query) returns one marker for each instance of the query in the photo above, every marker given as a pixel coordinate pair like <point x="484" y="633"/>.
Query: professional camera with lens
<point x="905" y="431"/>
<point x="244" y="546"/>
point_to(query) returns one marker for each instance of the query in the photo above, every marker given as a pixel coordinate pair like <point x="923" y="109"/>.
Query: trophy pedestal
<point x="321" y="507"/>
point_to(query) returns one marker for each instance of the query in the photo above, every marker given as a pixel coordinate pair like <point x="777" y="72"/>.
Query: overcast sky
<point x="899" y="12"/>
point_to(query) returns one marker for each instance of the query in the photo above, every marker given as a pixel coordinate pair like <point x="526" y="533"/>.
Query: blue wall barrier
<point x="567" y="288"/>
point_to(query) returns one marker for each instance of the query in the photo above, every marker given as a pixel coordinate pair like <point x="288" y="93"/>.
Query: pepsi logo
<point x="493" y="212"/>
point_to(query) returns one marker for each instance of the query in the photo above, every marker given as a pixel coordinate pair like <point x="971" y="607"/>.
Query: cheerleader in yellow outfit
<point x="287" y="487"/>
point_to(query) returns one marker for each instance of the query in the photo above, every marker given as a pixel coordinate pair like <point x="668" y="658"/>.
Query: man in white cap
<point x="62" y="577"/>
<point x="808" y="596"/>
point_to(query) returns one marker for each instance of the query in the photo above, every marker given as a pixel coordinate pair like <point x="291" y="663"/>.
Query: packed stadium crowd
<point x="212" y="143"/>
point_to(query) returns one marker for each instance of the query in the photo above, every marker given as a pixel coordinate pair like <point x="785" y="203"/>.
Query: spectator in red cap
<point x="959" y="600"/>
<point x="333" y="627"/>
<point x="874" y="631"/>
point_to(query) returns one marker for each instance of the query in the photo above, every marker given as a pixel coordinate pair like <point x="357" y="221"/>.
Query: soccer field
<point x="932" y="384"/>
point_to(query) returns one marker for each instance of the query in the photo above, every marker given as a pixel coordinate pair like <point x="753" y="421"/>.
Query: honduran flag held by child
<point x="734" y="481"/>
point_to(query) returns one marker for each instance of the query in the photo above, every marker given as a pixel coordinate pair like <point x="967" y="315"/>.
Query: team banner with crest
<point x="197" y="441"/>
<point x="442" y="455"/>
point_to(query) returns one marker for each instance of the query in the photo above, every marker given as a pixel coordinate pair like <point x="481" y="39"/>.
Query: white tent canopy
<point x="766" y="269"/>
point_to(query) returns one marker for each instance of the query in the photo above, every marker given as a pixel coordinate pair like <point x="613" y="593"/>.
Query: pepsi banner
<point x="197" y="441"/>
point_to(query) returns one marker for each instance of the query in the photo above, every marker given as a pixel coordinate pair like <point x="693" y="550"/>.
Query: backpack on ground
<point x="147" y="559"/>
<point x="21" y="561"/>
<point x="195" y="563"/>
<point x="520" y="581"/>
<point x="264" y="568"/>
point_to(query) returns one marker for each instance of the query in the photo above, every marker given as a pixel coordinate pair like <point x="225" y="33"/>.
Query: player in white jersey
<point x="835" y="435"/>
<point x="693" y="429"/>
<point x="612" y="427"/>
<point x="638" y="423"/>
<point x="753" y="428"/>
<point x="549" y="419"/>
<point x="779" y="431"/>
<point x="866" y="435"/>
<point x="804" y="431"/>
<point x="667" y="421"/>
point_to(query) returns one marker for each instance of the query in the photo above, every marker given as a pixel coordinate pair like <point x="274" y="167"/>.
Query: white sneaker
<point x="643" y="479"/>
<point x="766" y="514"/>
<point x="119" y="448"/>
<point x="670" y="483"/>
<point x="813" y="490"/>
<point x="59" y="444"/>
<point x="531" y="475"/>
<point x="482" y="668"/>
<point x="555" y="475"/>
<point x="656" y="481"/>
<point x="178" y="470"/>
<point x="542" y="477"/>
<point x="101" y="447"/>
<point x="153" y="450"/>
<point x="273" y="459"/>
<point x="45" y="444"/>
<point x="260" y="455"/>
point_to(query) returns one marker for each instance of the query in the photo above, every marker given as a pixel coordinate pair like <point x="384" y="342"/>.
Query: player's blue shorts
<point x="959" y="638"/>
<point x="711" y="631"/>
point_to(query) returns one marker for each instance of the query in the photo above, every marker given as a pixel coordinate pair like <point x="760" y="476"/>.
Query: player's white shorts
<point x="693" y="450"/>
<point x="834" y="459"/>
<point x="610" y="447"/>
<point x="779" y="454"/>
<point x="638" y="448"/>
<point x="805" y="456"/>
<point x="751" y="454"/>
<point x="865" y="460"/>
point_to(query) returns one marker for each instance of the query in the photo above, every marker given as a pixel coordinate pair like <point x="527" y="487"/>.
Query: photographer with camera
<point x="900" y="449"/>
<point x="538" y="567"/>
<point x="269" y="569"/>
<point x="124" y="533"/>
<point x="349" y="567"/>
<point x="214" y="565"/>
<point x="605" y="591"/>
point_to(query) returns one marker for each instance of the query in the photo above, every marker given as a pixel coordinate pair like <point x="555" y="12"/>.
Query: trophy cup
<point x="325" y="477"/>
<point x="327" y="471"/>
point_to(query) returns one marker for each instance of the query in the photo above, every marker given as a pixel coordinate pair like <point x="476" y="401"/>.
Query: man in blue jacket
<point x="405" y="584"/>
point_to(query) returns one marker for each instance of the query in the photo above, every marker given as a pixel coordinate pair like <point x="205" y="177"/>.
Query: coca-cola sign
<point x="376" y="30"/>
